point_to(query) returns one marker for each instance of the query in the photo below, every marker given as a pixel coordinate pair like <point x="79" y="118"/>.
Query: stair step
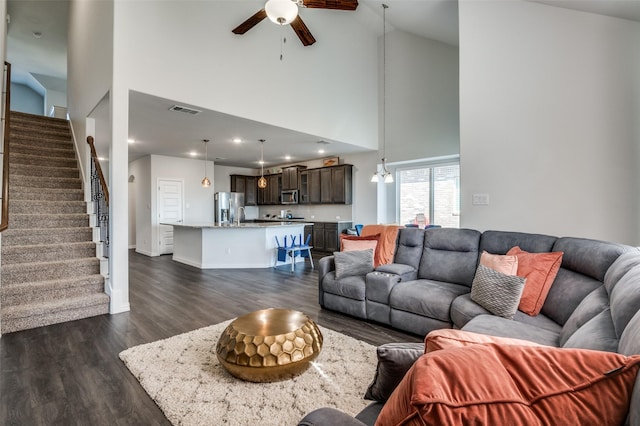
<point x="19" y="148"/>
<point x="12" y="255"/>
<point x="41" y="160"/>
<point x="43" y="171"/>
<point x="44" y="194"/>
<point x="26" y="118"/>
<point x="15" y="318"/>
<point x="22" y="237"/>
<point x="41" y="142"/>
<point x="18" y="181"/>
<point x="37" y="131"/>
<point x="43" y="271"/>
<point x="29" y="221"/>
<point x="46" y="207"/>
<point x="43" y="291"/>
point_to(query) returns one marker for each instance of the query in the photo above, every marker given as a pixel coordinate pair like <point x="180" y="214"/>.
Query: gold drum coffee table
<point x="269" y="345"/>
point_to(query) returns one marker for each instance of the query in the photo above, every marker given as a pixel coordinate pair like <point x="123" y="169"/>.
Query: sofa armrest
<point x="325" y="265"/>
<point x="330" y="417"/>
<point x="405" y="272"/>
<point x="379" y="286"/>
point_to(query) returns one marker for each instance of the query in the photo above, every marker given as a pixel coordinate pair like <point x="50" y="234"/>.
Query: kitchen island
<point x="247" y="245"/>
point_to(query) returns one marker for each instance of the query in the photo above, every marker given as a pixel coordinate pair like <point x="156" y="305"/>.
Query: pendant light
<point x="206" y="183"/>
<point x="385" y="174"/>
<point x="262" y="182"/>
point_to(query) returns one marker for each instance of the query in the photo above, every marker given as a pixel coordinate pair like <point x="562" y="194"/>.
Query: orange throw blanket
<point x="387" y="242"/>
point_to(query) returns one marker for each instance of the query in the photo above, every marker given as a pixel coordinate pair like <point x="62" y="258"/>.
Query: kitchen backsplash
<point x="320" y="213"/>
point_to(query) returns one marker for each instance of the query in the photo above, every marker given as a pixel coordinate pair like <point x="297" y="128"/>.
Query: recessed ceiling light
<point x="193" y="153"/>
<point x="101" y="158"/>
<point x="37" y="34"/>
<point x="321" y="151"/>
<point x="131" y="140"/>
<point x="261" y="162"/>
<point x="287" y="157"/>
<point x="237" y="140"/>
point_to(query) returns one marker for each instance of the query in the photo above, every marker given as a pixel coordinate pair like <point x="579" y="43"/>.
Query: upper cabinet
<point x="290" y="178"/>
<point x="325" y="185"/>
<point x="248" y="185"/>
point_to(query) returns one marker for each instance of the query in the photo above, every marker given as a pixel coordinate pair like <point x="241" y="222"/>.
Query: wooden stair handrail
<point x="4" y="224"/>
<point x="103" y="182"/>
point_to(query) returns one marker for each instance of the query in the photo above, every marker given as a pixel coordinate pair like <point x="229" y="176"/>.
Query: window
<point x="429" y="194"/>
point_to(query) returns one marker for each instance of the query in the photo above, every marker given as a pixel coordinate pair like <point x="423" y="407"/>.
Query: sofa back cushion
<point x="409" y="247"/>
<point x="584" y="265"/>
<point x="450" y="255"/>
<point x="595" y="302"/>
<point x="500" y="242"/>
<point x="621" y="266"/>
<point x="624" y="300"/>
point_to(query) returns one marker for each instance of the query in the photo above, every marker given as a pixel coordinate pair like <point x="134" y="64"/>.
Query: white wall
<point x="54" y="98"/>
<point x="422" y="98"/>
<point x="198" y="201"/>
<point x="25" y="99"/>
<point x="549" y="120"/>
<point x="196" y="59"/>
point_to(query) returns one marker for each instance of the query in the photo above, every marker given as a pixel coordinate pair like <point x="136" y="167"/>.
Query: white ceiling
<point x="41" y="64"/>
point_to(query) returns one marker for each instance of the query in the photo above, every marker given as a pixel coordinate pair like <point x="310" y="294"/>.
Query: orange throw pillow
<point x="521" y="385"/>
<point x="354" y="242"/>
<point x="448" y="338"/>
<point x="539" y="269"/>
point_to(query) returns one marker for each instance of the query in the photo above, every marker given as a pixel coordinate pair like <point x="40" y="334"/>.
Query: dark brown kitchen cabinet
<point x="270" y="194"/>
<point x="248" y="186"/>
<point x="336" y="184"/>
<point x="314" y="186"/>
<point x="326" y="235"/>
<point x="290" y="178"/>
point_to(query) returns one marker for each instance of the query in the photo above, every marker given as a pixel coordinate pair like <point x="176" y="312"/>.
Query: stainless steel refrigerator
<point x="227" y="206"/>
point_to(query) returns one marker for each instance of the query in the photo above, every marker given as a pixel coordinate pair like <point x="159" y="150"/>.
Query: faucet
<point x="238" y="217"/>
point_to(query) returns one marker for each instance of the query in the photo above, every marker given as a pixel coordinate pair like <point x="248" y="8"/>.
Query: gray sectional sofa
<point x="594" y="302"/>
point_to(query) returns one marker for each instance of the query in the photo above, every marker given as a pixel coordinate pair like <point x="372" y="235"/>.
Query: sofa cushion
<point x="624" y="300"/>
<point x="594" y="303"/>
<point x="409" y="247"/>
<point x="406" y="272"/>
<point x="463" y="310"/>
<point x="500" y="242"/>
<point x="540" y="270"/>
<point x="450" y="255"/>
<point x="597" y="334"/>
<point x="620" y="267"/>
<point x="350" y="287"/>
<point x="588" y="257"/>
<point x="446" y="387"/>
<point x="502" y="327"/>
<point x="394" y="360"/>
<point x="425" y="297"/>
<point x="350" y="263"/>
<point x="567" y="291"/>
<point x="496" y="292"/>
<point x="502" y="263"/>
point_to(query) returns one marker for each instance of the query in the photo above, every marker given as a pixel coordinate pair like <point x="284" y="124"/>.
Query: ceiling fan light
<point x="281" y="12"/>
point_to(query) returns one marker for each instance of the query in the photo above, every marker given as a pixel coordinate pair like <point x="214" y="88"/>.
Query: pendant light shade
<point x="206" y="183"/>
<point x="384" y="174"/>
<point x="281" y="12"/>
<point x="262" y="182"/>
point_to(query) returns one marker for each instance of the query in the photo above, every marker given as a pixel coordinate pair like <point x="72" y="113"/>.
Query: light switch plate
<point x="480" y="199"/>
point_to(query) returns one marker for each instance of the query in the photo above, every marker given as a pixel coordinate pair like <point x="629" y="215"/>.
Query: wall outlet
<point x="228" y="250"/>
<point x="480" y="199"/>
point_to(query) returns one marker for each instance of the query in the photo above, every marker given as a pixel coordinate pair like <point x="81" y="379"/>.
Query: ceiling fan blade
<point x="302" y="31"/>
<point x="250" y="23"/>
<point x="331" y="4"/>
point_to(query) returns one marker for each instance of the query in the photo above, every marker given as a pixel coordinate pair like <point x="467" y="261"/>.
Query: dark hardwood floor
<point x="70" y="373"/>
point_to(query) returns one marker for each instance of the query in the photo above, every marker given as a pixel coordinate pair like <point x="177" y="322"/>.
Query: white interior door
<point x="169" y="211"/>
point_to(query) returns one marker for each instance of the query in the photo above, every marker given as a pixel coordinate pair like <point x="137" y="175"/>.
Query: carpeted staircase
<point x="50" y="272"/>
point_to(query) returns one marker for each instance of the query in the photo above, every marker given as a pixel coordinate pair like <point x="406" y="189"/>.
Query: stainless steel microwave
<point x="289" y="196"/>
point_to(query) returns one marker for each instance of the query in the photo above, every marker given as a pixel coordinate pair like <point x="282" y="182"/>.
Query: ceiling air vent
<point x="184" y="109"/>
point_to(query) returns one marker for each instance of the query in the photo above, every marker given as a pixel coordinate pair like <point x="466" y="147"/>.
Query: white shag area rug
<point x="183" y="376"/>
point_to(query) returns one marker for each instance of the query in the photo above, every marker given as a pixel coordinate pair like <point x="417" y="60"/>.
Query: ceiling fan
<point x="285" y="12"/>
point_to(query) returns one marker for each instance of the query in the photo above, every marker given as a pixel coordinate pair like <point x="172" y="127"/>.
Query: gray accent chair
<point x="594" y="302"/>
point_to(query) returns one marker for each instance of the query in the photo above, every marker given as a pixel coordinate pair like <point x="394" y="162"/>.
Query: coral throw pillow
<point x="354" y="242"/>
<point x="523" y="385"/>
<point x="540" y="269"/>
<point x="508" y="265"/>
